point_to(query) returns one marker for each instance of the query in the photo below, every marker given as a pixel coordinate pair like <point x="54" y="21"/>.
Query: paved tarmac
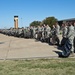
<point x="20" y="48"/>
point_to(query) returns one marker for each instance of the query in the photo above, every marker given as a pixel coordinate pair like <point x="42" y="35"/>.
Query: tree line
<point x="49" y="20"/>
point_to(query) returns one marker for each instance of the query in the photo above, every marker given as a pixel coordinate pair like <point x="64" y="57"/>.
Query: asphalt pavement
<point x="20" y="48"/>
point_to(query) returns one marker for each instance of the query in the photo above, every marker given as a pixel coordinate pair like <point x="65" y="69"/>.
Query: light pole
<point x="21" y="22"/>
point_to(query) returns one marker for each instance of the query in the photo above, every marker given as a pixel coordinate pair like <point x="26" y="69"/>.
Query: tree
<point x="35" y="23"/>
<point x="50" y="21"/>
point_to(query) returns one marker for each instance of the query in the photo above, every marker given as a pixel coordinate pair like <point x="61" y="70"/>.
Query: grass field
<point x="38" y="67"/>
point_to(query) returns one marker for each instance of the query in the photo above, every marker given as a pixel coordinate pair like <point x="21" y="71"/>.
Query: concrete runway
<point x="20" y="48"/>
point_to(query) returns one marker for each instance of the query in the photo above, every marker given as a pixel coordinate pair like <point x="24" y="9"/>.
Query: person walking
<point x="57" y="32"/>
<point x="74" y="37"/>
<point x="68" y="48"/>
<point x="64" y="34"/>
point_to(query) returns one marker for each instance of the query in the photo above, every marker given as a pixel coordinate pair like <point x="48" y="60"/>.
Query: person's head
<point x="66" y="23"/>
<point x="56" y="23"/>
<point x="53" y="26"/>
<point x="74" y="23"/>
<point x="47" y="25"/>
<point x="62" y="24"/>
<point x="70" y="23"/>
<point x="44" y="25"/>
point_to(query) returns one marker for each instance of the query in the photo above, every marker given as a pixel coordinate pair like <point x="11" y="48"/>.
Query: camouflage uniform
<point x="70" y="36"/>
<point x="74" y="38"/>
<point x="34" y="32"/>
<point x="57" y="32"/>
<point x="42" y="30"/>
<point x="53" y="35"/>
<point x="31" y="32"/>
<point x="48" y="29"/>
<point x="68" y="47"/>
<point x="39" y="33"/>
<point x="64" y="35"/>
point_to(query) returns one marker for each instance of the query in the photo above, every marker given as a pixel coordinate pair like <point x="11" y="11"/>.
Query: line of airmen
<point x="52" y="36"/>
<point x="44" y="33"/>
<point x="68" y="39"/>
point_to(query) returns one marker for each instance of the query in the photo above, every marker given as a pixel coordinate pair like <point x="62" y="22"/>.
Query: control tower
<point x="15" y="22"/>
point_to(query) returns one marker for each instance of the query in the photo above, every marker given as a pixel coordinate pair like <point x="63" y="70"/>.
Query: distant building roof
<point x="68" y="19"/>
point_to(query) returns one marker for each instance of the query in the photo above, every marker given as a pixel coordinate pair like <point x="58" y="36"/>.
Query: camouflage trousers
<point x="55" y="39"/>
<point x="74" y="44"/>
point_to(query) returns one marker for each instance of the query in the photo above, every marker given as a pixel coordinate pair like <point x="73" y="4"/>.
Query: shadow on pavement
<point x="1" y="42"/>
<point x="58" y="52"/>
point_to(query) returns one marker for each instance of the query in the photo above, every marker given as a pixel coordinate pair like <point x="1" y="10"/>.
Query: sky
<point x="34" y="10"/>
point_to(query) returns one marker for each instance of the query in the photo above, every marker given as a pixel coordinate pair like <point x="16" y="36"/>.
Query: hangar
<point x="66" y="20"/>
